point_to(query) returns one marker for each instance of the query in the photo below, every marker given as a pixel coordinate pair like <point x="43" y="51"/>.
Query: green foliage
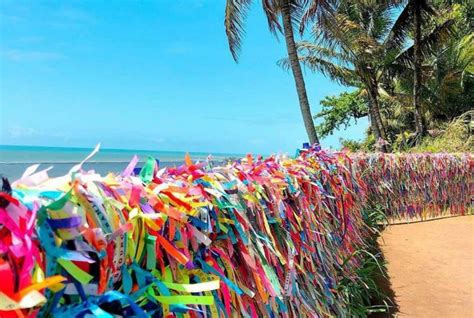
<point x="457" y="137"/>
<point x="447" y="72"/>
<point x="366" y="145"/>
<point x="361" y="291"/>
<point x="352" y="145"/>
<point x="364" y="46"/>
<point x="339" y="111"/>
<point x="448" y="69"/>
<point x="450" y="91"/>
<point x="356" y="46"/>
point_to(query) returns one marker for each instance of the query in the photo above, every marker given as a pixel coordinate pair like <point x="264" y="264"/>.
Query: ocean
<point x="15" y="159"/>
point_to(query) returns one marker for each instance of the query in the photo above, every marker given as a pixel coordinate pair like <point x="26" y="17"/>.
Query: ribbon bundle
<point x="418" y="185"/>
<point x="257" y="237"/>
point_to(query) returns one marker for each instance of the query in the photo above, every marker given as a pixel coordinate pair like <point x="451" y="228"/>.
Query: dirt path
<point x="431" y="267"/>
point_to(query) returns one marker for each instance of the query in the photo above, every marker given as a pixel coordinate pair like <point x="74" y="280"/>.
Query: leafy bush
<point x="458" y="137"/>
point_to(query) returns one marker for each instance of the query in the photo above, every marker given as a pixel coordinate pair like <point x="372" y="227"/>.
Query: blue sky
<point x="147" y="75"/>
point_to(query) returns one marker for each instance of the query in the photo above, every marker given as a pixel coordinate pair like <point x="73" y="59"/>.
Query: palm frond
<point x="341" y="57"/>
<point x="317" y="10"/>
<point x="340" y="74"/>
<point x="465" y="55"/>
<point x="235" y="14"/>
<point x="297" y="9"/>
<point x="403" y="25"/>
<point x="271" y="10"/>
<point x="381" y="20"/>
<point x="339" y="34"/>
<point x="435" y="38"/>
<point x="385" y="3"/>
<point x="396" y="70"/>
<point x="401" y="28"/>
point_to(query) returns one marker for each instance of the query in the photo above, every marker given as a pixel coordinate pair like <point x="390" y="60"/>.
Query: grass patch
<point x="365" y="290"/>
<point x="457" y="137"/>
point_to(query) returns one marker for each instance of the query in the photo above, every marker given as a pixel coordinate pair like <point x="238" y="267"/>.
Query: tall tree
<point x="366" y="48"/>
<point x="419" y="116"/>
<point x="415" y="16"/>
<point x="447" y="48"/>
<point x="352" y="52"/>
<point x="290" y="12"/>
<point x="297" y="72"/>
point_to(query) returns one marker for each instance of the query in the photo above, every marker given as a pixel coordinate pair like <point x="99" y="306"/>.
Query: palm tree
<point x="354" y="51"/>
<point x="290" y="12"/>
<point x="419" y="117"/>
<point x="448" y="53"/>
<point x="415" y="15"/>
<point x="365" y="48"/>
<point x="416" y="9"/>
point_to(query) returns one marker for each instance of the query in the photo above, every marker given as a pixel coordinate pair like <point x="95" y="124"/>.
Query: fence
<point x="257" y="237"/>
<point x="418" y="186"/>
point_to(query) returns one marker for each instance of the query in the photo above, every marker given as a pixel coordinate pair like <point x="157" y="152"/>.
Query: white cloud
<point x="28" y="132"/>
<point x="31" y="56"/>
<point x="21" y="132"/>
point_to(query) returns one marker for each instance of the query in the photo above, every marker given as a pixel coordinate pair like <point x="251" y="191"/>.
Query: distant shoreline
<point x="14" y="159"/>
<point x="27" y="148"/>
<point x="75" y="162"/>
<point x="14" y="171"/>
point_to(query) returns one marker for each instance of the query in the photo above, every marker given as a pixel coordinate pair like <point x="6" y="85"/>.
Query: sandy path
<point x="431" y="267"/>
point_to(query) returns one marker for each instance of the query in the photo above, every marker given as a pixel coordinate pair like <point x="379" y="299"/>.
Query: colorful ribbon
<point x="257" y="237"/>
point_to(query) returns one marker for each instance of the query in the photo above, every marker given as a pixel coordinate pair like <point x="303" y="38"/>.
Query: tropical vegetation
<point x="409" y="67"/>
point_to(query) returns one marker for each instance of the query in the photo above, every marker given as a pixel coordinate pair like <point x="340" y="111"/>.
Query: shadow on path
<point x="383" y="281"/>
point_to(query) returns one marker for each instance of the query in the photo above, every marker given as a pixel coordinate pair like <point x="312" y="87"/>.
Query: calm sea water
<point x="15" y="159"/>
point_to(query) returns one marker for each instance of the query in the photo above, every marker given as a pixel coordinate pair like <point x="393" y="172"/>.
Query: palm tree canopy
<point x="353" y="45"/>
<point x="302" y="12"/>
<point x="370" y="39"/>
<point x="367" y="37"/>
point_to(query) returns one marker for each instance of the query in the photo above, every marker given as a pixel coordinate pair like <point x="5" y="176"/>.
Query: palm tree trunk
<point x="373" y="122"/>
<point x="420" y="121"/>
<point x="297" y="73"/>
<point x="376" y="117"/>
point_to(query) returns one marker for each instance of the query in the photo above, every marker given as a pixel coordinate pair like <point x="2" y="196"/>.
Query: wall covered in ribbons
<point x="256" y="237"/>
<point x="418" y="186"/>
